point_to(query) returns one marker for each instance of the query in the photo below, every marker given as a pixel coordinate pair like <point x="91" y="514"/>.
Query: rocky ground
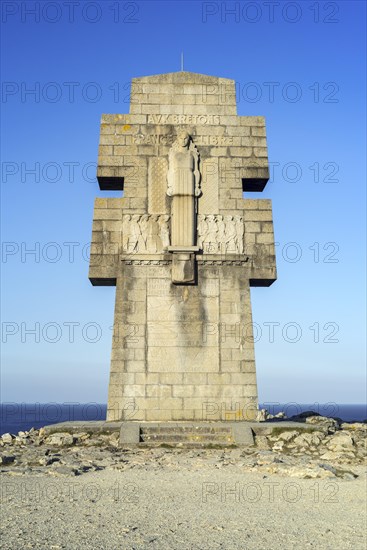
<point x="293" y="489"/>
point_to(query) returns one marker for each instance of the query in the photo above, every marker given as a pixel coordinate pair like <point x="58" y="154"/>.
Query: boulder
<point x="64" y="471"/>
<point x="338" y="456"/>
<point x="307" y="439"/>
<point x="22" y="440"/>
<point x="114" y="439"/>
<point x="310" y="472"/>
<point x="340" y="441"/>
<point x="350" y="476"/>
<point x="330" y="424"/>
<point x="329" y="468"/>
<point x="47" y="461"/>
<point x="355" y="426"/>
<point x="80" y="437"/>
<point x="61" y="439"/>
<point x="6" y="459"/>
<point x="262" y="442"/>
<point x="262" y="415"/>
<point x="7" y="438"/>
<point x="306" y="471"/>
<point x="278" y="445"/>
<point x="288" y="435"/>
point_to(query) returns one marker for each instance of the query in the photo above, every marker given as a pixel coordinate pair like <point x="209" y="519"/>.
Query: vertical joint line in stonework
<point x="220" y="327"/>
<point x="146" y="328"/>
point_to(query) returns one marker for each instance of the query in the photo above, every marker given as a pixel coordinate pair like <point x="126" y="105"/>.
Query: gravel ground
<point x="162" y="509"/>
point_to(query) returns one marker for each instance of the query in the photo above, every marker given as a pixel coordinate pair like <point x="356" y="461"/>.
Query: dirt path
<point x="205" y="508"/>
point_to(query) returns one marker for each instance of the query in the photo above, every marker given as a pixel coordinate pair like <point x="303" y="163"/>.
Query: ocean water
<point x="15" y="417"/>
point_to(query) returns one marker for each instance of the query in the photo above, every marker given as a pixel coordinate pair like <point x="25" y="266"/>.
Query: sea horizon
<point x="15" y="417"/>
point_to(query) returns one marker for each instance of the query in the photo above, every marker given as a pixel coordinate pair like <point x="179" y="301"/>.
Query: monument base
<point x="202" y="434"/>
<point x="180" y="434"/>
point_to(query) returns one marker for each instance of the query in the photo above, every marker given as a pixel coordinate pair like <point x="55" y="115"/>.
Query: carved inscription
<point x="213" y="140"/>
<point x="153" y="139"/>
<point x="183" y="119"/>
<point x="168" y="139"/>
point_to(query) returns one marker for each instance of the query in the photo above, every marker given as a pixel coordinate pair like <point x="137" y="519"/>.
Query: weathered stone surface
<point x="183" y="248"/>
<point x="341" y="441"/>
<point x="330" y="424"/>
<point x="60" y="439"/>
<point x="355" y="427"/>
<point x="7" y="438"/>
<point x="189" y="445"/>
<point x="288" y="436"/>
<point x="306" y="440"/>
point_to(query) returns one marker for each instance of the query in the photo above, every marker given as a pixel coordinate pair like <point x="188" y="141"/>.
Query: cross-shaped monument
<point x="183" y="246"/>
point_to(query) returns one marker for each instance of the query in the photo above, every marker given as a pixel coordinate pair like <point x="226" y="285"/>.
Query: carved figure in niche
<point x="183" y="179"/>
<point x="163" y="222"/>
<point x="230" y="234"/>
<point x="239" y="234"/>
<point x="144" y="231"/>
<point x="134" y="234"/>
<point x="125" y="232"/>
<point x="211" y="238"/>
<point x="202" y="231"/>
<point x="218" y="234"/>
<point x="221" y="234"/>
<point x="153" y="243"/>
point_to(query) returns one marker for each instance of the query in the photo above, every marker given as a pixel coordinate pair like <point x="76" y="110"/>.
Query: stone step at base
<point x="186" y="434"/>
<point x="188" y="438"/>
<point x="160" y="431"/>
<point x="187" y="444"/>
<point x="150" y="430"/>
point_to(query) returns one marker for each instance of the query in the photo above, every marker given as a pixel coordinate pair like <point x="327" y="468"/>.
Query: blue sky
<point x="310" y="54"/>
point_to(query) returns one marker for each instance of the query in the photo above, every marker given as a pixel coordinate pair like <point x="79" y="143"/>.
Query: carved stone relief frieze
<point x="221" y="234"/>
<point x="145" y="233"/>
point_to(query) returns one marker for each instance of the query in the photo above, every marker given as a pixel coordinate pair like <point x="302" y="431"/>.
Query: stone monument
<point x="183" y="246"/>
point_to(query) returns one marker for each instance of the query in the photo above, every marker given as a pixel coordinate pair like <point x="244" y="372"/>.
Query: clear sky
<point x="300" y="64"/>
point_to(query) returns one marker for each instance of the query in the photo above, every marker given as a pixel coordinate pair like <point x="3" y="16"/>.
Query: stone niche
<point x="183" y="247"/>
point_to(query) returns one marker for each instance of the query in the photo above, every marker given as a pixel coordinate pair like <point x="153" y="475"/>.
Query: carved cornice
<point x="146" y="262"/>
<point x="202" y="259"/>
